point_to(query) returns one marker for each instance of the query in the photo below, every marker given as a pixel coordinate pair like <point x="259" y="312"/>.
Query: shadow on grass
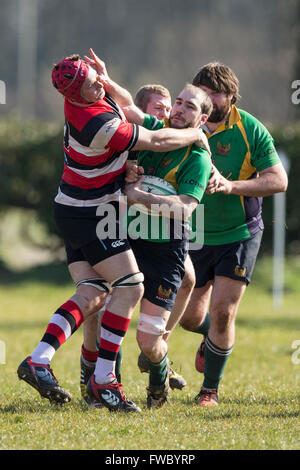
<point x="36" y="405"/>
<point x="54" y="273"/>
<point x="247" y="408"/>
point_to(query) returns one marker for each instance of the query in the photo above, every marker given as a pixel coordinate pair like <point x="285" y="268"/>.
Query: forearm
<point x="166" y="139"/>
<point x="118" y="93"/>
<point x="134" y="114"/>
<point x="176" y="207"/>
<point x="150" y="200"/>
<point x="265" y="185"/>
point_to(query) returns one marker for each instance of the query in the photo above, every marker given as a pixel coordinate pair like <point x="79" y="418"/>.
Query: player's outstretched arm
<point x="167" y="139"/>
<point x="118" y="93"/>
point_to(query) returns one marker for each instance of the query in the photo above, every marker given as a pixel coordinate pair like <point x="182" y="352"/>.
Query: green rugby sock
<point x="215" y="361"/>
<point x="158" y="372"/>
<point x="118" y="364"/>
<point x="204" y="327"/>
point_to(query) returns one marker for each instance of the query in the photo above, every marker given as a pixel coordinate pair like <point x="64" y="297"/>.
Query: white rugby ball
<point x="156" y="185"/>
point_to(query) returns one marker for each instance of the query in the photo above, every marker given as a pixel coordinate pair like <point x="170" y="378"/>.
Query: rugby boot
<point x="199" y="360"/>
<point x="207" y="398"/>
<point x="85" y="374"/>
<point x="41" y="377"/>
<point x="157" y="396"/>
<point x="111" y="396"/>
<point x="175" y="380"/>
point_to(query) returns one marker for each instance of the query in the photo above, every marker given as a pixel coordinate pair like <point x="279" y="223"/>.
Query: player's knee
<point x="189" y="323"/>
<point x="129" y="287"/>
<point x="132" y="295"/>
<point x="146" y="342"/>
<point x="221" y="318"/>
<point x="89" y="300"/>
<point x="192" y="318"/>
<point x="149" y="345"/>
<point x="137" y="292"/>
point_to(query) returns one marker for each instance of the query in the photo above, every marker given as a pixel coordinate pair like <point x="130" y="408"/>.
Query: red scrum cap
<point x="68" y="76"/>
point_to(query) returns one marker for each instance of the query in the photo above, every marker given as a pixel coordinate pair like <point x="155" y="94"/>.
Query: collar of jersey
<point x="234" y="118"/>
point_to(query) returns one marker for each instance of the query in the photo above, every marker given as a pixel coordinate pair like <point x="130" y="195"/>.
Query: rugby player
<point x="97" y="139"/>
<point x="155" y="100"/>
<point x="249" y="168"/>
<point x="162" y="260"/>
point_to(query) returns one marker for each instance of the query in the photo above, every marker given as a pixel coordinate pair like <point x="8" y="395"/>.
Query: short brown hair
<point x="218" y="77"/>
<point x="143" y="95"/>
<point x="206" y="103"/>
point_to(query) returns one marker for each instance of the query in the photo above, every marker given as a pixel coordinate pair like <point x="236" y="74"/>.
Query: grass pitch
<point x="259" y="394"/>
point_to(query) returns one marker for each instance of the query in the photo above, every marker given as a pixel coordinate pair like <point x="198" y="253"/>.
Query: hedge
<point x="31" y="161"/>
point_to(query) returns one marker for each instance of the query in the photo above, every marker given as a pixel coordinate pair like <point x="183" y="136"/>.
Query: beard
<point x="219" y="113"/>
<point x="180" y="124"/>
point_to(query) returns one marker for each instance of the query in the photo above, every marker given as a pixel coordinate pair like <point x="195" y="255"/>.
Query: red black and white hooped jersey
<point x="97" y="139"/>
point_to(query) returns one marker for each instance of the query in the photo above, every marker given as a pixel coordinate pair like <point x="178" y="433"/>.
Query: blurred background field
<point x="164" y="42"/>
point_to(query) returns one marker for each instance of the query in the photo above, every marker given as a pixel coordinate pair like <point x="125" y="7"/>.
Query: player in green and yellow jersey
<point x="155" y="100"/>
<point x="161" y="258"/>
<point x="248" y="168"/>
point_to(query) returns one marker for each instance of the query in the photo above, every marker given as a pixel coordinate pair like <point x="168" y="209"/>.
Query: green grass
<point x="259" y="394"/>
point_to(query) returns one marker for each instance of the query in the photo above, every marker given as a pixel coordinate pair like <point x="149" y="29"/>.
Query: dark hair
<point x="206" y="103"/>
<point x="220" y="78"/>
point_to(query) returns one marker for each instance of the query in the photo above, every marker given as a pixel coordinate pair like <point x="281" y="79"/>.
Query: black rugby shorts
<point x="163" y="267"/>
<point x="78" y="227"/>
<point x="233" y="260"/>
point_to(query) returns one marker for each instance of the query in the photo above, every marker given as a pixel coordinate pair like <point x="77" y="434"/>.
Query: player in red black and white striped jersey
<point x="96" y="143"/>
<point x="97" y="139"/>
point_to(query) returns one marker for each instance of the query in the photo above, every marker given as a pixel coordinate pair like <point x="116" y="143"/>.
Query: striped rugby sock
<point x="215" y="361"/>
<point x="64" y="322"/>
<point x="89" y="358"/>
<point x="113" y="330"/>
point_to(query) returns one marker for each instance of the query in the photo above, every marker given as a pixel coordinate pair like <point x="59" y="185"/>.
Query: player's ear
<point x="202" y="120"/>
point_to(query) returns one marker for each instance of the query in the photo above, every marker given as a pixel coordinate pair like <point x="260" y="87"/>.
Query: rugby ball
<point x="156" y="185"/>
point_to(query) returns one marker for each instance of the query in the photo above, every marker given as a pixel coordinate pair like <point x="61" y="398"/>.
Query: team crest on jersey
<point x="223" y="148"/>
<point x="163" y="293"/>
<point x="239" y="271"/>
